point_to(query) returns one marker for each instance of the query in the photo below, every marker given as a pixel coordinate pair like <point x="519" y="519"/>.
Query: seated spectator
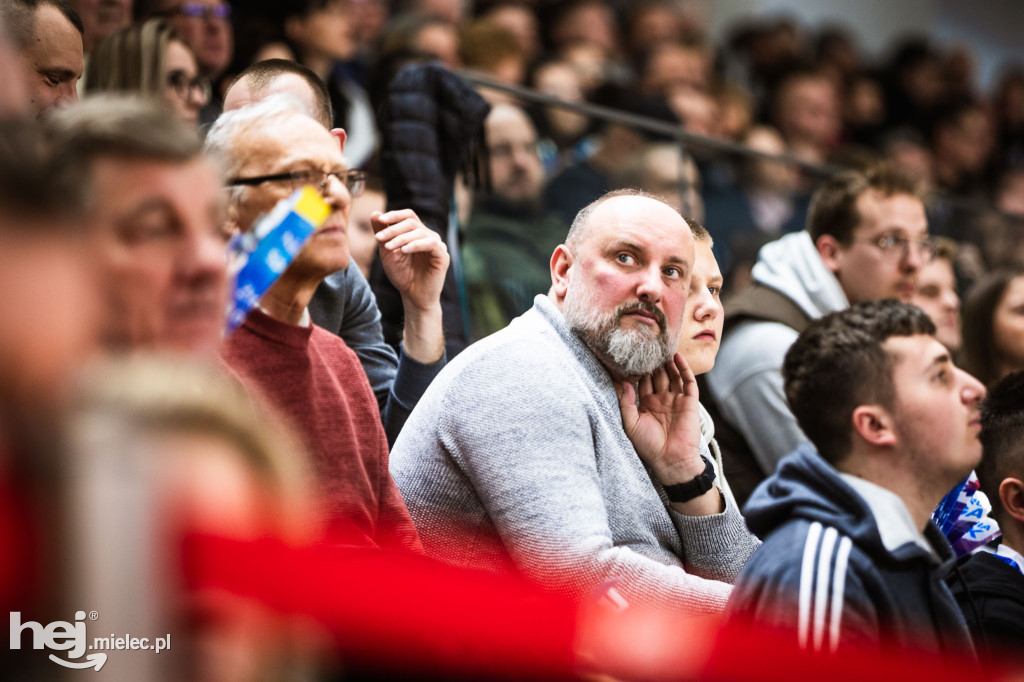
<point x="701" y="334"/>
<point x="806" y="112"/>
<point x="765" y="200"/>
<point x="962" y="142"/>
<point x="866" y="239"/>
<point x="320" y="36"/>
<point x="156" y="211"/>
<point x="48" y="323"/>
<point x="518" y="456"/>
<point x="991" y="594"/>
<point x="662" y="169"/>
<point x="206" y="27"/>
<point x="615" y="149"/>
<point x="48" y="36"/>
<point x="343" y="303"/>
<point x="101" y="19"/>
<point x="936" y="294"/>
<point x="270" y="149"/>
<point x="509" y="236"/>
<point x="150" y="59"/>
<point x="160" y="446"/>
<point x="993" y="326"/>
<point x="519" y="19"/>
<point x="427" y="35"/>
<point x="562" y="131"/>
<point x="492" y="50"/>
<point x="850" y="555"/>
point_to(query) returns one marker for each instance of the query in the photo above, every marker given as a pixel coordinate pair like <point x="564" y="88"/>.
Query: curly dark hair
<point x="1002" y="438"/>
<point x="838" y="363"/>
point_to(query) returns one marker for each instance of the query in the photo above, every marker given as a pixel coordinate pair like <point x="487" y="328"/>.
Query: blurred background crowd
<point x="587" y="96"/>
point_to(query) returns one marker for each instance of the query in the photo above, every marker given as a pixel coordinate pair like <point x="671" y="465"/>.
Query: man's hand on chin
<point x="664" y="427"/>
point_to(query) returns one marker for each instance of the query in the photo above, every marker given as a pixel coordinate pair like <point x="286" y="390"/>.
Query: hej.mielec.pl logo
<point x="70" y="637"/>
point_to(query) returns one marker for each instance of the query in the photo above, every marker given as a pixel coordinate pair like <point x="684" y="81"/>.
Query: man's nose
<point x="68" y="94"/>
<point x="915" y="257"/>
<point x="649" y="285"/>
<point x="205" y="253"/>
<point x="972" y="391"/>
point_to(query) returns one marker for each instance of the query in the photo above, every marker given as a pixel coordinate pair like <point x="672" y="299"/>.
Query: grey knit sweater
<point x="517" y="451"/>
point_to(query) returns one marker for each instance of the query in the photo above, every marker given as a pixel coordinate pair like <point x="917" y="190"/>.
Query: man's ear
<point x="830" y="251"/>
<point x="561" y="261"/>
<point x="874" y="425"/>
<point x="1011" y="495"/>
<point x="340" y="135"/>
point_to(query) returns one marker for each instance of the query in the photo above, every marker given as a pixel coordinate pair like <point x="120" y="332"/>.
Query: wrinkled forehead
<point x="653" y="223"/>
<point x="286" y="140"/>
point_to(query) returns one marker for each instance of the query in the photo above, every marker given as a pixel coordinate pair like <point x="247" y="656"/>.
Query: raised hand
<point x="416" y="261"/>
<point x="413" y="256"/>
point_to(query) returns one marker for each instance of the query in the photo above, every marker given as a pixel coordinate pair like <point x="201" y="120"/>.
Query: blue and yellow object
<point x="267" y="250"/>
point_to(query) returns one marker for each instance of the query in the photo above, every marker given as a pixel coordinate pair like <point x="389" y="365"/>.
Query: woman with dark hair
<point x="993" y="326"/>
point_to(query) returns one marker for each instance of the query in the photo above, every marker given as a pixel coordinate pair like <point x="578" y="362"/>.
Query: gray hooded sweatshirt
<point x="746" y="381"/>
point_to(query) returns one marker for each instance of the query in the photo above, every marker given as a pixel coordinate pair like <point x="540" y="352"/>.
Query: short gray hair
<point x="120" y="126"/>
<point x="222" y="139"/>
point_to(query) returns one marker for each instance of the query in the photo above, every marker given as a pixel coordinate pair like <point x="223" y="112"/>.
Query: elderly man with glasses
<point x="866" y="240"/>
<point x="269" y="149"/>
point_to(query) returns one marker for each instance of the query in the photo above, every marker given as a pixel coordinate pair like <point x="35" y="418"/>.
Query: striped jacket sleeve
<point x="810" y="582"/>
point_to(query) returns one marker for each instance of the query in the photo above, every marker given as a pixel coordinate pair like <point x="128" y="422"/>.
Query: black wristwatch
<point x="684" y="492"/>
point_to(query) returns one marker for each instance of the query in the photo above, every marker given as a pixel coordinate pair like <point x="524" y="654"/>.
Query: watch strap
<point x="684" y="492"/>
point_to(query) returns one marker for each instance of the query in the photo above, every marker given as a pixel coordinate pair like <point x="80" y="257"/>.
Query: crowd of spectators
<point x="487" y="354"/>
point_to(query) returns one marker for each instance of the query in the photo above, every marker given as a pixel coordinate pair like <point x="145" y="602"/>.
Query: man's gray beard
<point x="631" y="353"/>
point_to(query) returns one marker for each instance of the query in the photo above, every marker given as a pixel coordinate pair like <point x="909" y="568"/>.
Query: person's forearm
<point x="423" y="334"/>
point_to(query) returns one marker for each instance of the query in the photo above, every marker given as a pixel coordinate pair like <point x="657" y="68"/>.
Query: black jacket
<point x="431" y="125"/>
<point x="996" y="616"/>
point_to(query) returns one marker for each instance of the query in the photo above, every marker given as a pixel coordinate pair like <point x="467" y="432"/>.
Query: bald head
<point x="280" y="76"/>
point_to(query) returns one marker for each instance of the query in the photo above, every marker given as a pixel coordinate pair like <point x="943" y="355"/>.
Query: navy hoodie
<point x="825" y="573"/>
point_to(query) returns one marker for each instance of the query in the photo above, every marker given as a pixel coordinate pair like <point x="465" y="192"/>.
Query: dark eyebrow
<point x="942" y="359"/>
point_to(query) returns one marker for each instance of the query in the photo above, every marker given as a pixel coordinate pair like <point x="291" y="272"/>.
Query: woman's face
<point x="183" y="92"/>
<point x="1008" y="325"/>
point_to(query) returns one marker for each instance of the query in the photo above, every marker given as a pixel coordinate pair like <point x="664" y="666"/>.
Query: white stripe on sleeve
<point x="822" y="585"/>
<point x="838" y="591"/>
<point x="806" y="580"/>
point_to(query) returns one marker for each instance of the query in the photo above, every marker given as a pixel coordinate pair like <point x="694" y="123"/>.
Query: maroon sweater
<point x="313" y="378"/>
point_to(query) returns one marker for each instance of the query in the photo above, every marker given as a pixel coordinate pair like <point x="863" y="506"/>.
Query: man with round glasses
<point x="269" y="149"/>
<point x="866" y="240"/>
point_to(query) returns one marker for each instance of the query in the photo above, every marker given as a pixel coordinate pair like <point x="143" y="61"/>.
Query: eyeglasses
<point x="891" y="244"/>
<point x="354" y="180"/>
<point x="185" y="86"/>
<point x="198" y="10"/>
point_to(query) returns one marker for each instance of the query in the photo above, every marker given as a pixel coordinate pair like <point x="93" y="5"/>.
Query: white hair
<point x="222" y="139"/>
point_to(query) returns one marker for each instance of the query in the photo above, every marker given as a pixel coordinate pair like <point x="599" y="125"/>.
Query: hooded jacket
<point x="842" y="563"/>
<point x="746" y="381"/>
